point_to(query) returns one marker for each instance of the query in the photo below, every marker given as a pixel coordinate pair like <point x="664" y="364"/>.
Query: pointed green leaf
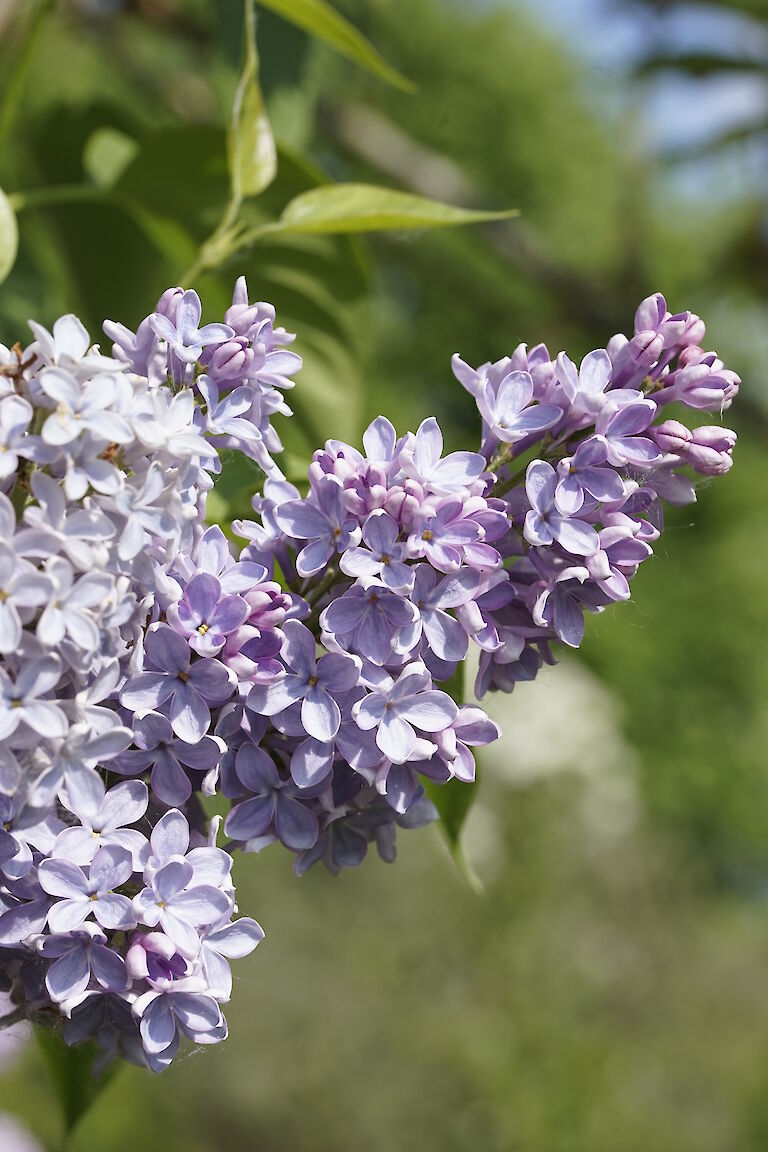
<point x="9" y="236"/>
<point x="252" y="152"/>
<point x="323" y="22"/>
<point x="343" y="208"/>
<point x="73" y="1073"/>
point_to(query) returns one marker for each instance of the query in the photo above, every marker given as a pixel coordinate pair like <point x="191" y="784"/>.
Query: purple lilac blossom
<point x="301" y="676"/>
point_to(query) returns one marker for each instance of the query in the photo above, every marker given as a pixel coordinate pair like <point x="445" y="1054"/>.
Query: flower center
<point x="427" y="535"/>
<point x="385" y="558"/>
<point x="3" y="595"/>
<point x="312" y="681"/>
<point x="203" y="628"/>
<point x="183" y="676"/>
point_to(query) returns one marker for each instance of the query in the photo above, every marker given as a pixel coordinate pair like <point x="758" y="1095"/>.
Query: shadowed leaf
<point x="76" y="1084"/>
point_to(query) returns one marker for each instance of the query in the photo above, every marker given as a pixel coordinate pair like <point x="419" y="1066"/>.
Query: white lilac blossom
<point x="307" y="677"/>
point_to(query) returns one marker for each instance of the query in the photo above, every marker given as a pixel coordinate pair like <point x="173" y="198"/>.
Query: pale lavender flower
<point x="138" y="349"/>
<point x="197" y="1015"/>
<point x="444" y="634"/>
<point x="77" y="956"/>
<point x="397" y="707"/>
<point x="621" y="432"/>
<point x="584" y="389"/>
<point x="383" y="556"/>
<point x="583" y="475"/>
<point x="213" y="555"/>
<point x="620" y="554"/>
<point x="509" y="413"/>
<point x="104" y="818"/>
<point x="144" y="514"/>
<point x="544" y="524"/>
<point x="168" y="756"/>
<point x="190" y="687"/>
<point x="183" y="334"/>
<point x="314" y="682"/>
<point x="25" y="700"/>
<point x="232" y="942"/>
<point x="471" y="729"/>
<point x="205" y="616"/>
<point x="179" y="906"/>
<point x="79" y="533"/>
<point x="30" y="829"/>
<point x="422" y="461"/>
<point x="442" y="536"/>
<point x="226" y="417"/>
<point x="272" y="807"/>
<point x="15" y="417"/>
<point x="79" y="896"/>
<point x="69" y="347"/>
<point x="559" y="606"/>
<point x="368" y="618"/>
<point x="81" y="748"/>
<point x="327" y="525"/>
<point x="83" y="407"/>
<point x="70" y="610"/>
<point x="22" y="589"/>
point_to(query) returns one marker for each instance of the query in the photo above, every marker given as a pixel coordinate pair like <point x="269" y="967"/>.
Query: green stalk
<point x="57" y="194"/>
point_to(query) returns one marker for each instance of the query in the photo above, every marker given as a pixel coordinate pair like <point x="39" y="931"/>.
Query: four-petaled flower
<point x="189" y="687"/>
<point x="79" y="896"/>
<point x="544" y="524"/>
<point x="314" y="682"/>
<point x="399" y="706"/>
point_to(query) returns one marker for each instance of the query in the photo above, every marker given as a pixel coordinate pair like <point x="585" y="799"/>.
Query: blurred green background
<point x="608" y="992"/>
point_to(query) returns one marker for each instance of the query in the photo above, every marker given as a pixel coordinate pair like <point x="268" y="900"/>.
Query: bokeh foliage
<point x="607" y="991"/>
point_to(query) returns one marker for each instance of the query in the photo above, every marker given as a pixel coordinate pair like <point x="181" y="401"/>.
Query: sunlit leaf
<point x="75" y="1073"/>
<point x="251" y="146"/>
<point x="342" y="208"/>
<point x="107" y="154"/>
<point x="320" y="20"/>
<point x="9" y="236"/>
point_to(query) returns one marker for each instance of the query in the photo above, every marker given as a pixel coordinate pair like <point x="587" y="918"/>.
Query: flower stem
<point x="12" y="1018"/>
<point x="58" y="194"/>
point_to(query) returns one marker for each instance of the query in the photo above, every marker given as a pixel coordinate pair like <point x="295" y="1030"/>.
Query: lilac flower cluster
<point x="116" y="905"/>
<point x="310" y="677"/>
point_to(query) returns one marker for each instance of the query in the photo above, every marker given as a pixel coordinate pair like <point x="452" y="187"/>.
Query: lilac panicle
<point x="307" y="676"/>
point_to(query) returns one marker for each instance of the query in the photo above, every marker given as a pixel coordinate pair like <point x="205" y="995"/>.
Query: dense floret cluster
<point x="309" y="675"/>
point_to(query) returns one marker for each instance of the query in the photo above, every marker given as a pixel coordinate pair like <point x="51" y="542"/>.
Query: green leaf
<point x="74" y="1075"/>
<point x="342" y="208"/>
<point x="251" y="146"/>
<point x="454" y="799"/>
<point x="9" y="236"/>
<point x="107" y="154"/>
<point x="323" y="22"/>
